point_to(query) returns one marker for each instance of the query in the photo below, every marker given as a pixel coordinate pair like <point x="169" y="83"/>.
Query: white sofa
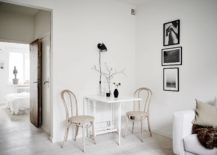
<point x="185" y="143"/>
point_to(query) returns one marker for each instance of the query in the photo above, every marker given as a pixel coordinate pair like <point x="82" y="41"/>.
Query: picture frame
<point x="171" y="33"/>
<point x="171" y="56"/>
<point x="171" y="79"/>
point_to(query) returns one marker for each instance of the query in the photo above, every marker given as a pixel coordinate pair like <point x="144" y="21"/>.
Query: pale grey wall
<point x="16" y="27"/>
<point x="198" y="74"/>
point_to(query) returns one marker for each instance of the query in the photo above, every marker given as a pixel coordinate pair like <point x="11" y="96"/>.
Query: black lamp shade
<point x="101" y="47"/>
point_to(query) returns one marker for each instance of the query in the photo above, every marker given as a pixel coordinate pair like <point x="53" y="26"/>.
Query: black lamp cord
<point x="100" y="70"/>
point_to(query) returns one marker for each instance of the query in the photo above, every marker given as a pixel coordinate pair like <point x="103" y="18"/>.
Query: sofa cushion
<point x="192" y="145"/>
<point x="206" y="114"/>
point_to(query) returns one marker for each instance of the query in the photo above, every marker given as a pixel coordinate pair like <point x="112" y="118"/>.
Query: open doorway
<point x="19" y="27"/>
<point x="15" y="75"/>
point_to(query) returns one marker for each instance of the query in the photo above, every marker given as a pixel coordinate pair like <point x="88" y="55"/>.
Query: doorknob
<point x="45" y="82"/>
<point x="37" y="82"/>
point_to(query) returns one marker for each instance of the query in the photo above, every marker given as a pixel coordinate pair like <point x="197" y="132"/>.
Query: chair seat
<point x="81" y="119"/>
<point x="136" y="115"/>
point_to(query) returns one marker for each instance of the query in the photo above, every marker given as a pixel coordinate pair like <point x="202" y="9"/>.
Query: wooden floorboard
<point x="19" y="137"/>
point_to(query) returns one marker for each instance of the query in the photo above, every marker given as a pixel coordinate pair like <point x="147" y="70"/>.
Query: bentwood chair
<point x="140" y="110"/>
<point x="73" y="119"/>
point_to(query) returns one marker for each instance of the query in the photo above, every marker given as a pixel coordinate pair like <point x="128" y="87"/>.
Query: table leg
<point x="112" y="124"/>
<point x="119" y="124"/>
<point x="84" y="106"/>
<point x="94" y="109"/>
<point x="94" y="114"/>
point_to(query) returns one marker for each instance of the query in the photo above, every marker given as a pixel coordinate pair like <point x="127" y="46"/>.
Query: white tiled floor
<point x="19" y="137"/>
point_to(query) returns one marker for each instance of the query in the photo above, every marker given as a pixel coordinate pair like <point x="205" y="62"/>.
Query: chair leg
<point x="127" y="123"/>
<point x="83" y="137"/>
<point x="87" y="132"/>
<point x="76" y="132"/>
<point x="93" y="132"/>
<point x="149" y="128"/>
<point x="66" y="135"/>
<point x="133" y="127"/>
<point x="141" y="130"/>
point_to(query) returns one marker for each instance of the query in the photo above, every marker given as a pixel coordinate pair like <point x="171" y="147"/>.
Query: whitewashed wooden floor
<point x="19" y="137"/>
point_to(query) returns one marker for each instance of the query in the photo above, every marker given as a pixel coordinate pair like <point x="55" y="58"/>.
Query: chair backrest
<point x="145" y="94"/>
<point x="70" y="103"/>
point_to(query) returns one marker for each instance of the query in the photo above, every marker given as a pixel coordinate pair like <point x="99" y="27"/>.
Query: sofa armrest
<point x="182" y="126"/>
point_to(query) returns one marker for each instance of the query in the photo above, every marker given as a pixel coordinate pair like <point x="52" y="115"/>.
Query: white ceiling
<point x="6" y="7"/>
<point x="134" y="2"/>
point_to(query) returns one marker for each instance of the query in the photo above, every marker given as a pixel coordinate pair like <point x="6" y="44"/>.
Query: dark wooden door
<point x="36" y="83"/>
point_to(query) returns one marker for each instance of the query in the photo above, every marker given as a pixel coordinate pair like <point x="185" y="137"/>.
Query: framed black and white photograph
<point x="171" y="79"/>
<point x="171" y="33"/>
<point x="171" y="56"/>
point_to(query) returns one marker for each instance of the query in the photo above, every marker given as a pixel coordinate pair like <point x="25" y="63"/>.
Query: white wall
<point x="42" y="28"/>
<point x="6" y="86"/>
<point x="4" y="74"/>
<point x="79" y="25"/>
<point x="77" y="28"/>
<point x="198" y="74"/>
<point x="42" y="24"/>
<point x="16" y="27"/>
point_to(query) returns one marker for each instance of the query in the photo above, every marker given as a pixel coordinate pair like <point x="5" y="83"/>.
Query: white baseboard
<point x="51" y="139"/>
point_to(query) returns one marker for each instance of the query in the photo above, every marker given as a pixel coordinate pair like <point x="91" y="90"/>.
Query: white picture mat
<point x="171" y="79"/>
